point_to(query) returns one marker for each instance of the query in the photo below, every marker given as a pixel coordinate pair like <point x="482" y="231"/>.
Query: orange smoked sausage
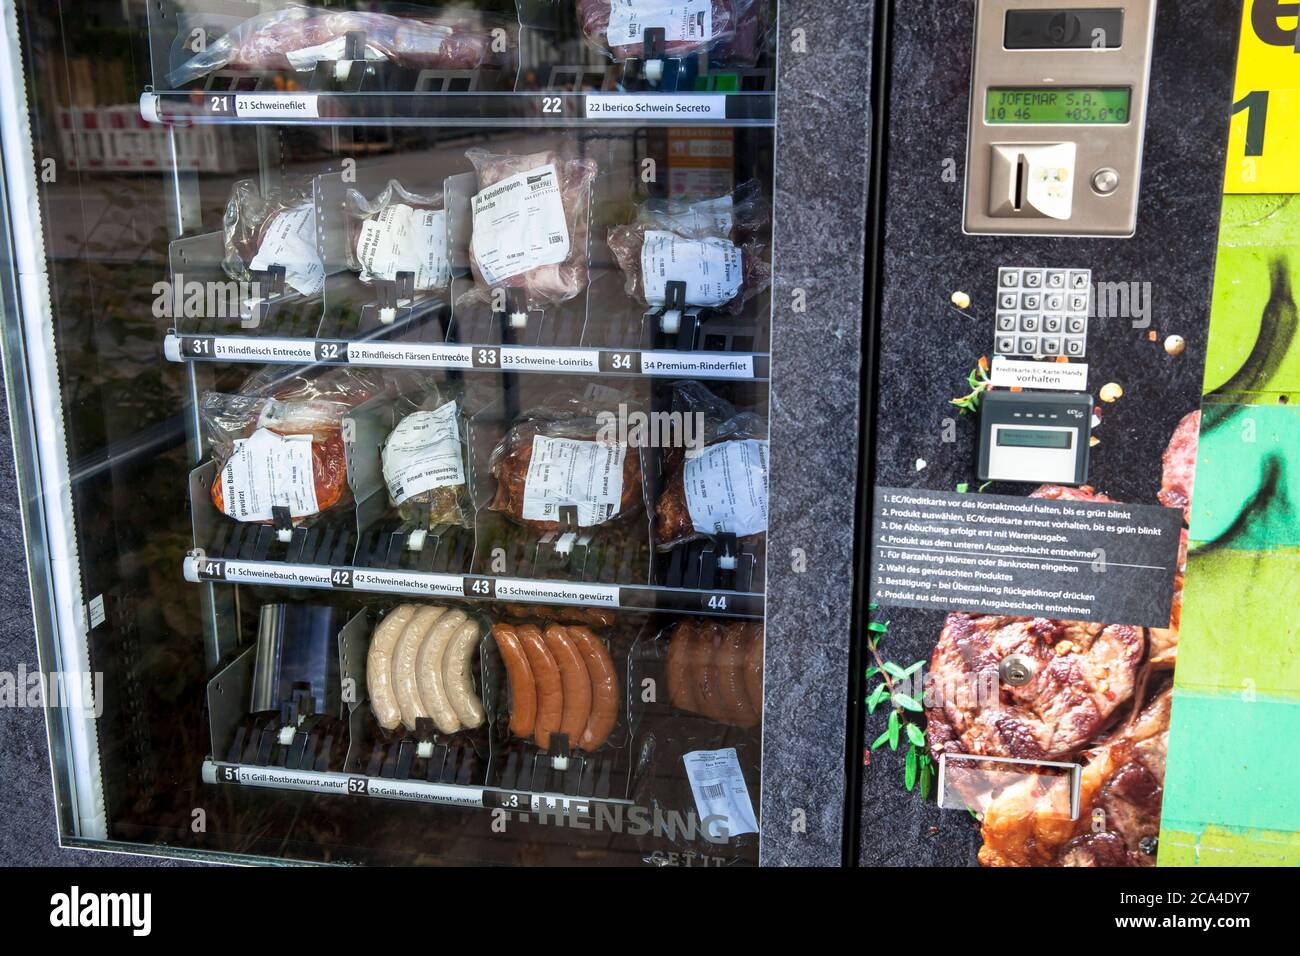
<point x="736" y="708"/>
<point x="681" y="689"/>
<point x="754" y="668"/>
<point x="574" y="681"/>
<point x="550" y="690"/>
<point x="605" y="697"/>
<point x="523" y="689"/>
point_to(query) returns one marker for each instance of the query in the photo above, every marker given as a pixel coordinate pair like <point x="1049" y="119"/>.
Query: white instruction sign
<point x="423" y="453"/>
<point x="726" y="488"/>
<point x="269" y="470"/>
<point x="721" y="797"/>
<point x="519" y="225"/>
<point x="405" y="239"/>
<point x="563" y="472"/>
<point x="710" y="268"/>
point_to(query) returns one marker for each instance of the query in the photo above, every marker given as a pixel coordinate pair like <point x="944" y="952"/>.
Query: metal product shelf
<point x="376" y="353"/>
<point x="548" y="110"/>
<point x="640" y="597"/>
<point x="386" y="788"/>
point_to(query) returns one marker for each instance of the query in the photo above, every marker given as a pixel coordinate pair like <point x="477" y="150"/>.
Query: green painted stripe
<point x="1234" y="763"/>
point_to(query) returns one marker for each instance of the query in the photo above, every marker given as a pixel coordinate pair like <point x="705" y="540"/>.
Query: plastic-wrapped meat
<point x="727" y="29"/>
<point x="1082" y="673"/>
<point x="1179" y="461"/>
<point x="280" y="444"/>
<point x="300" y="37"/>
<point x="718" y="248"/>
<point x="571" y="473"/>
<point x="531" y="217"/>
<point x="279" y="229"/>
<point x="398" y="231"/>
<point x="1124" y="779"/>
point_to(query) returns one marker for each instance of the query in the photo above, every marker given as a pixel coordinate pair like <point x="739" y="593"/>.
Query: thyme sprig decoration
<point x="905" y="712"/>
<point x="979" y="383"/>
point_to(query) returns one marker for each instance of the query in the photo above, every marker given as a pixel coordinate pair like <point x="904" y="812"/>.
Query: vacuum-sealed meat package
<point x="423" y="461"/>
<point x="530" y="225"/>
<point x="719" y="487"/>
<point x="278" y="442"/>
<point x="279" y="229"/>
<point x="728" y="30"/>
<point x="300" y="37"/>
<point x="717" y="248"/>
<point x="398" y="231"/>
<point x="560" y="456"/>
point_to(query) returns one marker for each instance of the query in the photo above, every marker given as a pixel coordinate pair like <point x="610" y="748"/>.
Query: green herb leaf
<point x="907" y="703"/>
<point x="927" y="778"/>
<point x="880" y="741"/>
<point x="892" y="669"/>
<point x="877" y="696"/>
<point x="916" y="735"/>
<point x="909" y="768"/>
<point x="894" y="727"/>
<point x="913" y="669"/>
<point x="872" y="671"/>
<point x="963" y="488"/>
<point x="878" y="626"/>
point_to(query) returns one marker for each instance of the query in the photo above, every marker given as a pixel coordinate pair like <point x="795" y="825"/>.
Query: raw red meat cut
<point x="1180" y="465"/>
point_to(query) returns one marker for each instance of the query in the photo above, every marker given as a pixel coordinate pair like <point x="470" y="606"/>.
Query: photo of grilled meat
<point x="1179" y="463"/>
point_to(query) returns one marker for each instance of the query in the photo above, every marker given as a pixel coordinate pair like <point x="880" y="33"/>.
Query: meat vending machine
<point x="395" y="390"/>
<point x="1042" y="303"/>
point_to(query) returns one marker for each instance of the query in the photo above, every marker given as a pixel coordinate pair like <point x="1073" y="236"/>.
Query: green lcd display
<point x="1057" y="104"/>
<point x="1024" y="438"/>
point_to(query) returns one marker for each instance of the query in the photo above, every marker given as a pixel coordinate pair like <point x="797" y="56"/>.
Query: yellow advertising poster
<point x="1264" y="148"/>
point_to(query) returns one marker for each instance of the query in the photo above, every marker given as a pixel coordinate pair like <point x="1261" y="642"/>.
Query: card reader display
<point x="1035" y="437"/>
<point x="1057" y="117"/>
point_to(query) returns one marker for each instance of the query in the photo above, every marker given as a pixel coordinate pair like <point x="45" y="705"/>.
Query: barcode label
<point x="713" y="791"/>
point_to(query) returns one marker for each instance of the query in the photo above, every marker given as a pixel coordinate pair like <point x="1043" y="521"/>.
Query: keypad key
<point x="1006" y="321"/>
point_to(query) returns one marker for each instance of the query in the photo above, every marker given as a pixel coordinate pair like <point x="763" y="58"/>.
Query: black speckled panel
<point x="820" y="235"/>
<point x="928" y="346"/>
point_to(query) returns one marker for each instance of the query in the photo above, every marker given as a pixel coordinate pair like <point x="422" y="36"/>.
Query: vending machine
<point x="1048" y="215"/>
<point x="437" y="423"/>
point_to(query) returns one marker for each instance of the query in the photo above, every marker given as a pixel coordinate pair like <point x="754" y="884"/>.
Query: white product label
<point x="681" y="20"/>
<point x="726" y="488"/>
<point x="405" y="239"/>
<point x="711" y="268"/>
<point x="721" y="797"/>
<point x="276" y="106"/>
<point x="422" y="453"/>
<point x="306" y="58"/>
<point x="1024" y="373"/>
<point x="290" y="241"/>
<point x="266" y="471"/>
<point x="519" y="225"/>
<point x="588" y="474"/>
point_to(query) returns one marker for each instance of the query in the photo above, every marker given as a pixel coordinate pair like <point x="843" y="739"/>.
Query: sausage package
<point x="530" y="222"/>
<point x="398" y="231"/>
<point x="278" y="442"/>
<point x="298" y="37"/>
<point x="423" y="461"/>
<point x="560" y="679"/>
<point x="721" y="487"/>
<point x="728" y="30"/>
<point x="715" y="247"/>
<point x="279" y="229"/>
<point x="558" y="457"/>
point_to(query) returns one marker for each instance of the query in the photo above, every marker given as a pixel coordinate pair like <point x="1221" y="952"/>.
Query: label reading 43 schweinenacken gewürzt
<point x="726" y="488"/>
<point x="710" y="268"/>
<point x="564" y="471"/>
<point x="681" y="20"/>
<point x="423" y="453"/>
<point x="267" y="470"/>
<point x="519" y="225"/>
<point x="721" y="797"/>
<point x="405" y="239"/>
